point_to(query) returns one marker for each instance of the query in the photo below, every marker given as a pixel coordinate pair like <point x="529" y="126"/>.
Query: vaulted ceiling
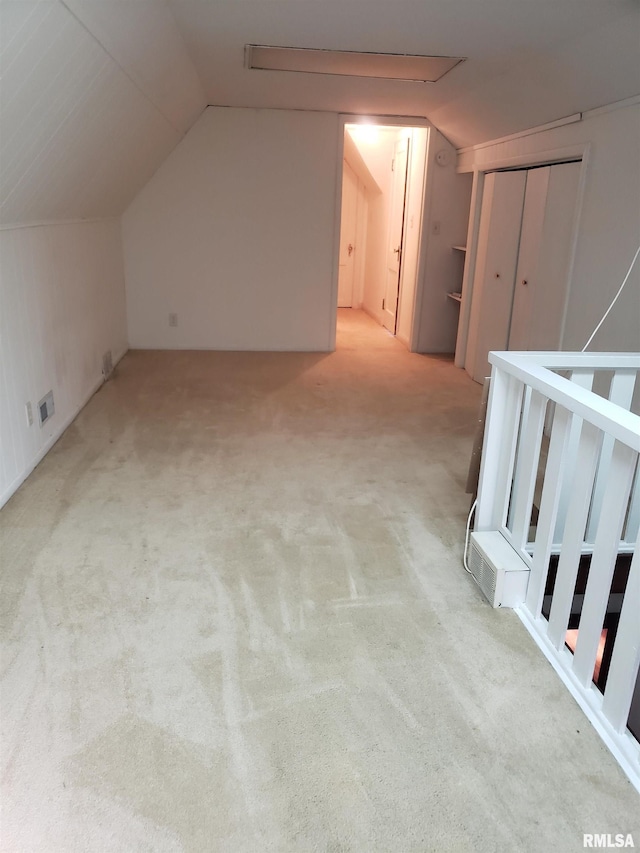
<point x="96" y="93"/>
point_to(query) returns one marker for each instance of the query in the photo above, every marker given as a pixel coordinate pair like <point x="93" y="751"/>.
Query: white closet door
<point x="533" y="213"/>
<point x="545" y="251"/>
<point x="497" y="257"/>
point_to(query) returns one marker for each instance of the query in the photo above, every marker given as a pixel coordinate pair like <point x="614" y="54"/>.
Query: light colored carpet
<point x="235" y="619"/>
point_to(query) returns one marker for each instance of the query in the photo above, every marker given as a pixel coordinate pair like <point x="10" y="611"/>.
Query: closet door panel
<point x="531" y="238"/>
<point x="547" y="316"/>
<point x="495" y="273"/>
<point x="545" y="256"/>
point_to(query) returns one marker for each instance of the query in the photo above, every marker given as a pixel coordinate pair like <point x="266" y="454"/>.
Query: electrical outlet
<point x="173" y="320"/>
<point x="435" y="228"/>
<point x="29" y="414"/>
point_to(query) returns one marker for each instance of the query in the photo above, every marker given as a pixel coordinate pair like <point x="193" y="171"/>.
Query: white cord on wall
<point x="592" y="336"/>
<point x="615" y="299"/>
<point x="466" y="536"/>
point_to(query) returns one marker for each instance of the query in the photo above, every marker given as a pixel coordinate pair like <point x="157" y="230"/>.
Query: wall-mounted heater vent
<point x="46" y="407"/>
<point x="107" y="365"/>
<point x="499" y="571"/>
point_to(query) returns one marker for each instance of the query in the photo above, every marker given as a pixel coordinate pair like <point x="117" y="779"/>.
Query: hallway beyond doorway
<point x="357" y="330"/>
<point x="381" y="222"/>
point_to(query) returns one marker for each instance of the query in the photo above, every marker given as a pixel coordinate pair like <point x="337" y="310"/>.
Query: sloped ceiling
<point x="529" y="61"/>
<point x="91" y="102"/>
<point x="96" y="93"/>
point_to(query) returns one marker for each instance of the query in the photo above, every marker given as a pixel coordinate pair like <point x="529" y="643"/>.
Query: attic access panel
<point x="388" y="66"/>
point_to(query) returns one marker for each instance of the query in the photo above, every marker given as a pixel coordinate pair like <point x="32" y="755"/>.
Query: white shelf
<point x="457" y="297"/>
<point x="460" y="248"/>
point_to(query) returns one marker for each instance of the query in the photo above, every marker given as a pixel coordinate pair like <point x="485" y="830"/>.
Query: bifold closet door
<point x="496" y="262"/>
<point x="543" y="260"/>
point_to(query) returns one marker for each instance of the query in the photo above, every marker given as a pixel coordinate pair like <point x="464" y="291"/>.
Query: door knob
<point x="497" y="275"/>
<point x="524" y="281"/>
<point x="350" y="249"/>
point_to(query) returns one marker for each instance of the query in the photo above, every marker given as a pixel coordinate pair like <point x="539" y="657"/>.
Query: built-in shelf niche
<point x="456" y="295"/>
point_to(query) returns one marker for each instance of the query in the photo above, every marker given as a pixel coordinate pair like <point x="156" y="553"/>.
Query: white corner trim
<point x="335" y="254"/>
<point x="531" y="158"/>
<point x="47" y="223"/>
<point x="609" y="108"/>
<point x="572" y="119"/>
<point x="388" y="120"/>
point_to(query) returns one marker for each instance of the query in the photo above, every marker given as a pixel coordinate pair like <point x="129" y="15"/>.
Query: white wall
<point x="61" y="308"/>
<point x="448" y="196"/>
<point x="235" y="234"/>
<point x="609" y="223"/>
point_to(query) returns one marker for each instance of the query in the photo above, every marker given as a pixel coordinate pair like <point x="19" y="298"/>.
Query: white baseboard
<point x="46" y="447"/>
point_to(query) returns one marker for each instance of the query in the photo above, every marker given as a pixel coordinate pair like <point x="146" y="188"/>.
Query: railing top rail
<point x="618" y="422"/>
<point x="577" y="360"/>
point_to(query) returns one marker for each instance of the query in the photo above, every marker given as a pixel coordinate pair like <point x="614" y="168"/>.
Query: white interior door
<point x="396" y="226"/>
<point x="545" y="251"/>
<point x="348" y="232"/>
<point x="362" y="218"/>
<point x="497" y="258"/>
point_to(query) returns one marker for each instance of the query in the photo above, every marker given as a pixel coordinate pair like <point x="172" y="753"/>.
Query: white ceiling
<point x="529" y="61"/>
<point x="96" y="93"/>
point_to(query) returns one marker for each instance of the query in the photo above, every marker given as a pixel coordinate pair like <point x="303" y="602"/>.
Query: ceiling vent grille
<point x="350" y="63"/>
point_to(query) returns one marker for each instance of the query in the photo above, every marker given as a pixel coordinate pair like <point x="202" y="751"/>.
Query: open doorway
<point x="383" y="183"/>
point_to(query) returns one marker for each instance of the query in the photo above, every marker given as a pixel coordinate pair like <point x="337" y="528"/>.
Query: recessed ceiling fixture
<point x="386" y="66"/>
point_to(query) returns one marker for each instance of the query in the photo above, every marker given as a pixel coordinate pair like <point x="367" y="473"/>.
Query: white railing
<point x="559" y="479"/>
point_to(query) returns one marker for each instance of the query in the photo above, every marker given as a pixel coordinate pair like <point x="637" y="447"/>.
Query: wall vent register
<point x="46" y="408"/>
<point x="107" y="365"/>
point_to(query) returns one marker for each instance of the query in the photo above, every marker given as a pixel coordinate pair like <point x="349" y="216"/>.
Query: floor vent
<point x="46" y="408"/>
<point x="499" y="571"/>
<point x="107" y="365"/>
